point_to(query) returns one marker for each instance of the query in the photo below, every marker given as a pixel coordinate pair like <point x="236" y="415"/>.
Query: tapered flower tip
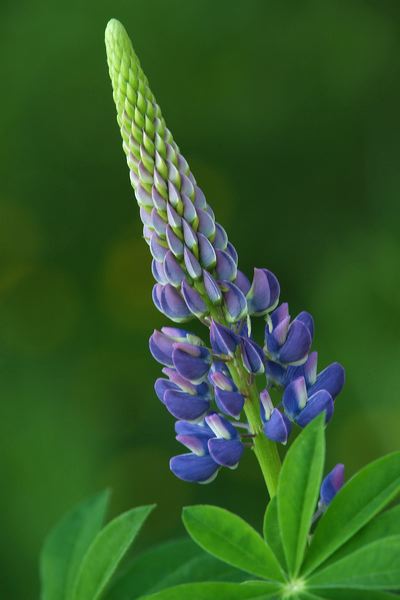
<point x="295" y="397"/>
<point x="197" y="429"/>
<point x="235" y="303"/>
<point x="161" y="347"/>
<point x="278" y="427"/>
<point x="185" y="406"/>
<point x="172" y="270"/>
<point x="221" y="427"/>
<point x="310" y="369"/>
<point x="226" y="453"/>
<point x="330" y="379"/>
<point x="226" y="268"/>
<point x="332" y="483"/>
<point x="116" y="37"/>
<point x="253" y="356"/>
<point x="230" y="403"/>
<point x="297" y="344"/>
<point x="173" y="305"/>
<point x="279" y="314"/>
<point x="177" y="334"/>
<point x="317" y="403"/>
<point x="263" y="295"/>
<point x="276" y="374"/>
<point x="163" y="385"/>
<point x="192" y="362"/>
<point x="193" y="300"/>
<point x="223" y="340"/>
<point x="193" y="468"/>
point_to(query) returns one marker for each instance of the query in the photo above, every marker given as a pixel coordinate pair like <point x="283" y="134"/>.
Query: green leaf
<point x="220" y="591"/>
<point x="271" y="531"/>
<point x="337" y="594"/>
<point x="384" y="525"/>
<point x="361" y="498"/>
<point x="66" y="545"/>
<point x="231" y="539"/>
<point x="106" y="551"/>
<point x="373" y="567"/>
<point x="168" y="565"/>
<point x="298" y="491"/>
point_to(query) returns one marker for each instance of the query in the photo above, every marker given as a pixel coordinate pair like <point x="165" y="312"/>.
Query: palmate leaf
<point x="66" y="546"/>
<point x="219" y="591"/>
<point x="106" y="552"/>
<point x="167" y="565"/>
<point x="298" y="491"/>
<point x="271" y="531"/>
<point x="375" y="566"/>
<point x="384" y="525"/>
<point x="231" y="539"/>
<point x="367" y="493"/>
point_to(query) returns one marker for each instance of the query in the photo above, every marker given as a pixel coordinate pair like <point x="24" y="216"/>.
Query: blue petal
<point x="276" y="374"/>
<point x="226" y="268"/>
<point x="172" y="269"/>
<point x="332" y="483"/>
<point x="307" y="319"/>
<point x="230" y="248"/>
<point x="193" y="468"/>
<point x="253" y="356"/>
<point x="221" y="427"/>
<point x="173" y="305"/>
<point x="212" y="288"/>
<point x="264" y="292"/>
<point x="163" y="385"/>
<point x="192" y="362"/>
<point x="242" y="282"/>
<point x="223" y="340"/>
<point x="193" y="266"/>
<point x="158" y="272"/>
<point x="230" y="403"/>
<point x="174" y="243"/>
<point x="161" y="347"/>
<point x="206" y="224"/>
<point x="193" y="300"/>
<point x="221" y="239"/>
<point x="278" y="427"/>
<point x="226" y="453"/>
<point x="207" y="254"/>
<point x="185" y="406"/>
<point x="156" y="296"/>
<point x="197" y="429"/>
<point x="319" y="402"/>
<point x="330" y="379"/>
<point x="157" y="249"/>
<point x="235" y="304"/>
<point x="297" y="344"/>
<point x="295" y="397"/>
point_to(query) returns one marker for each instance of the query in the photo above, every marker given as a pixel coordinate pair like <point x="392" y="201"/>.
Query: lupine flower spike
<point x="210" y="384"/>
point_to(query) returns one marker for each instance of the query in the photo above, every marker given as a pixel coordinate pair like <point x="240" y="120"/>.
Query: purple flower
<point x="277" y="426"/>
<point x="301" y="407"/>
<point x="252" y="355"/>
<point x="263" y="296"/>
<point x="223" y="340"/>
<point x="288" y="342"/>
<point x="213" y="444"/>
<point x="227" y="396"/>
<point x="191" y="361"/>
<point x="332" y="483"/>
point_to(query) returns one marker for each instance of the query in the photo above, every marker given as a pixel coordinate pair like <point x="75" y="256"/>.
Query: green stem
<point x="265" y="450"/>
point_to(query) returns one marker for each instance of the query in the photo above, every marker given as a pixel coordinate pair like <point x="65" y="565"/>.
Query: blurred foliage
<point x="288" y="114"/>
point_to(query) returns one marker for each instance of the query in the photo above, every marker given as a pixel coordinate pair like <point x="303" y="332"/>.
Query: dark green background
<point x="288" y="113"/>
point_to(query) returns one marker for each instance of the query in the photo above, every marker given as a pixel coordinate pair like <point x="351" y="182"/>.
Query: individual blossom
<point x="213" y="444"/>
<point x="276" y="425"/>
<point x="227" y="396"/>
<point x="288" y="342"/>
<point x="331" y="485"/>
<point x="302" y="407"/>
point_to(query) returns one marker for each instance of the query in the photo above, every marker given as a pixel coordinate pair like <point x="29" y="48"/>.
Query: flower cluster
<point x="207" y="388"/>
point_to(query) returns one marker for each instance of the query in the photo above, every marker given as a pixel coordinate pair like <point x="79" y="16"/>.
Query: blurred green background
<point x="288" y="113"/>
